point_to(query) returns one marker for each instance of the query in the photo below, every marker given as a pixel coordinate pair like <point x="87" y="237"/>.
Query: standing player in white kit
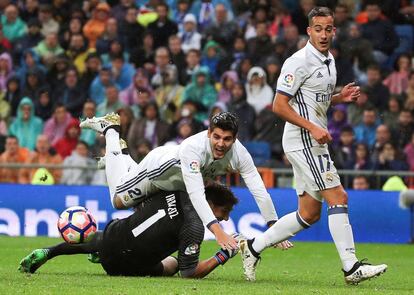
<point x="304" y="93"/>
<point x="201" y="157"/>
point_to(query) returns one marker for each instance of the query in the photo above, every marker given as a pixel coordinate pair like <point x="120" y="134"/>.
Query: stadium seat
<point x="260" y="152"/>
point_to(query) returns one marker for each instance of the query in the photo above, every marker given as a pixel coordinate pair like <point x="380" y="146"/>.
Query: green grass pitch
<point x="308" y="268"/>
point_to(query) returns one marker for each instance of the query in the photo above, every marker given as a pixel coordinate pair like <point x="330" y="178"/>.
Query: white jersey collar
<point x="317" y="53"/>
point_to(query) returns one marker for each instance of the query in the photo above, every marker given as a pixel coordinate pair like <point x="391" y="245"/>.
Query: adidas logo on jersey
<point x="319" y="75"/>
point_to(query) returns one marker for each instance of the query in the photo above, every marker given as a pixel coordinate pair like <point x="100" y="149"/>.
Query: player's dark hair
<point x="220" y="195"/>
<point x="226" y="121"/>
<point x="319" y="11"/>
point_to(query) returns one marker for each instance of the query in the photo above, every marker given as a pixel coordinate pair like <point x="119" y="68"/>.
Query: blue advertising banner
<point x="29" y="210"/>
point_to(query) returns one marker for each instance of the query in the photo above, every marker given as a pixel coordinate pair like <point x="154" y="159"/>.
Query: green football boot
<point x="33" y="261"/>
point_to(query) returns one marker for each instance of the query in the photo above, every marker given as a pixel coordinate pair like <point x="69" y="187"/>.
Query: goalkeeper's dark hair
<point x="226" y="121"/>
<point x="319" y="11"/>
<point x="220" y="195"/>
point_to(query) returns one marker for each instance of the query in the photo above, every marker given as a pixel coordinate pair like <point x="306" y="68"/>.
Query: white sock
<point x="115" y="166"/>
<point x="285" y="228"/>
<point x="341" y="232"/>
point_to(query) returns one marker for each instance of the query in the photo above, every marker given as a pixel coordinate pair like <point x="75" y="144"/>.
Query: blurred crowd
<point x="167" y="66"/>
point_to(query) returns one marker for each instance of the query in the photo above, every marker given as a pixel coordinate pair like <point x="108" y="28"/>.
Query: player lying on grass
<point x="141" y="244"/>
<point x="185" y="167"/>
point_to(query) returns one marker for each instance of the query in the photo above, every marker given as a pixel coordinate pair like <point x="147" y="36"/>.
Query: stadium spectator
<point x="29" y="61"/>
<point x="71" y="93"/>
<point x="74" y="27"/>
<point x="378" y="93"/>
<point x="244" y="111"/>
<point x="343" y="21"/>
<point x="345" y="73"/>
<point x="300" y="15"/>
<point x="337" y="121"/>
<point x="356" y="110"/>
<point x="184" y="130"/>
<point x="390" y="116"/>
<point x="380" y="32"/>
<point x="122" y="71"/>
<point x="397" y="81"/>
<point x="365" y="131"/>
<point x="126" y="117"/>
<point x="6" y="70"/>
<point x="93" y="64"/>
<point x="163" y="27"/>
<point x="180" y="10"/>
<point x="190" y="38"/>
<point x="404" y="129"/>
<point x="236" y="54"/>
<point x="362" y="160"/>
<point x="272" y="67"/>
<point x="227" y="82"/>
<point x="168" y="94"/>
<point x="120" y="10"/>
<point x="29" y="10"/>
<point x="409" y="153"/>
<point x="188" y="111"/>
<point x="382" y="136"/>
<point x="259" y="93"/>
<point x="111" y="102"/>
<point x="42" y="155"/>
<point x="95" y="27"/>
<point x="115" y="49"/>
<point x="358" y="50"/>
<point x="44" y="103"/>
<point x="389" y="159"/>
<point x="344" y="152"/>
<point x="79" y="157"/>
<point x="144" y="55"/>
<point x="30" y="40"/>
<point x="111" y="33"/>
<point x="12" y="94"/>
<point x="204" y="12"/>
<point x="13" y="154"/>
<point x="291" y="39"/>
<point x="48" y="49"/>
<point x="258" y="14"/>
<point x="177" y="54"/>
<point x="98" y="85"/>
<point x="260" y="47"/>
<point x="89" y="111"/>
<point x="281" y="18"/>
<point x="192" y="59"/>
<point x="130" y="30"/>
<point x="150" y="127"/>
<point x="78" y="52"/>
<point x="162" y="61"/>
<point x="57" y="72"/>
<point x="202" y="92"/>
<point x="211" y="58"/>
<point x="12" y="25"/>
<point x="360" y="182"/>
<point x="221" y="29"/>
<point x="26" y="126"/>
<point x="68" y="142"/>
<point x="49" y="24"/>
<point x="55" y="127"/>
<point x="34" y="80"/>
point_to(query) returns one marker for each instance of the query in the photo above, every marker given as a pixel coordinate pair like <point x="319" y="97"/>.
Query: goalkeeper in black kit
<point x="142" y="244"/>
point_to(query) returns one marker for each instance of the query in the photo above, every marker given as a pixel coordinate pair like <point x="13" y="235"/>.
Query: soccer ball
<point x="76" y="225"/>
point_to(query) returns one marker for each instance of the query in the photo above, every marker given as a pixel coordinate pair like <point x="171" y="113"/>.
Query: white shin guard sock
<point x="285" y="228"/>
<point x="341" y="232"/>
<point x="115" y="166"/>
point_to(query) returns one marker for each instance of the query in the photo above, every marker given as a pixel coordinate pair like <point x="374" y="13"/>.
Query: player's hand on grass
<point x="320" y="134"/>
<point x="285" y="245"/>
<point x="350" y="93"/>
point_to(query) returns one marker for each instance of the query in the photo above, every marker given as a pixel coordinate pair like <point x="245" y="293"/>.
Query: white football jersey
<point x="309" y="78"/>
<point x="188" y="165"/>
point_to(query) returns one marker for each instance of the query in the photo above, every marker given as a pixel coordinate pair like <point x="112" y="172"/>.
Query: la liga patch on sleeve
<point x="288" y="80"/>
<point x="194" y="166"/>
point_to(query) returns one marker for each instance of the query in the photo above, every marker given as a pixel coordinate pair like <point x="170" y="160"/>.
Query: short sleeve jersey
<point x="308" y="77"/>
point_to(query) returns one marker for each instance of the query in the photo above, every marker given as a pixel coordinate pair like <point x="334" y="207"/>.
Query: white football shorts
<point x="313" y="170"/>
